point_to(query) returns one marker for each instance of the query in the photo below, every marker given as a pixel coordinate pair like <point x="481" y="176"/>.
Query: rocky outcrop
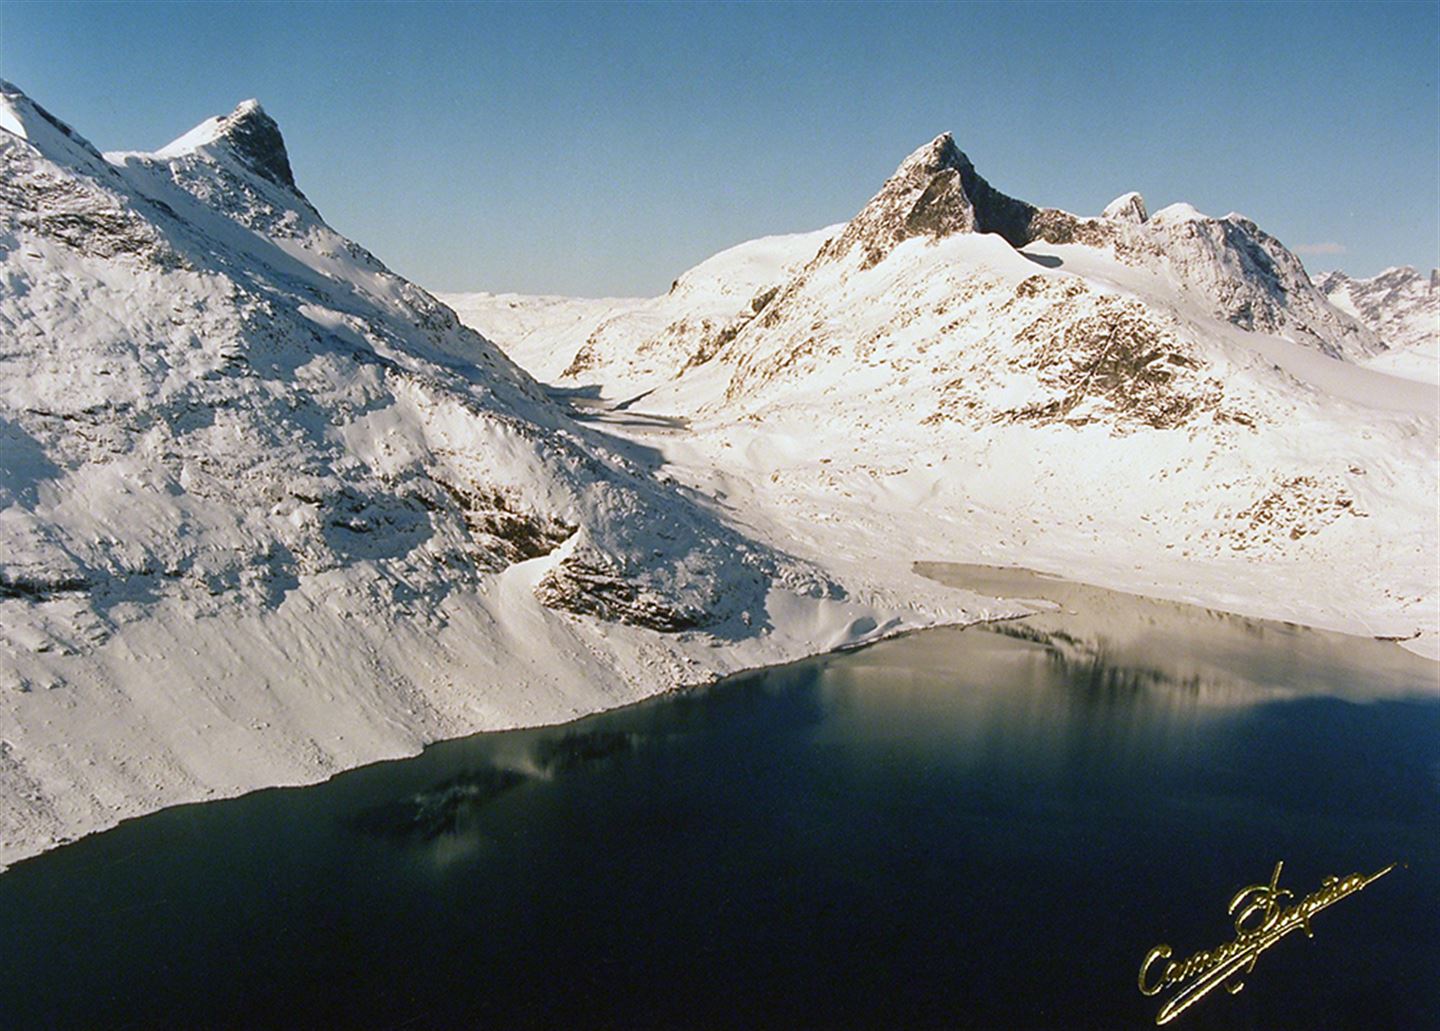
<point x="1089" y="358"/>
<point x="1253" y="281"/>
<point x="255" y="139"/>
<point x="589" y="584"/>
<point x="1128" y="207"/>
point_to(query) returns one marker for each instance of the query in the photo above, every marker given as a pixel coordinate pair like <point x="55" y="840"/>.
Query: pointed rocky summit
<point x="935" y="192"/>
<point x="249" y="134"/>
<point x="256" y="140"/>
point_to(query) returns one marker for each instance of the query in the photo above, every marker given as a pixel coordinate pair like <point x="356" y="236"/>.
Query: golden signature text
<point x="1262" y="918"/>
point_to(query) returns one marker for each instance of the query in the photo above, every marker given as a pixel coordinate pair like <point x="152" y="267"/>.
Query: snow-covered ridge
<point x="1229" y="265"/>
<point x="267" y="510"/>
<point x="1227" y="268"/>
<point x="249" y="133"/>
<point x="22" y="117"/>
<point x="641" y="341"/>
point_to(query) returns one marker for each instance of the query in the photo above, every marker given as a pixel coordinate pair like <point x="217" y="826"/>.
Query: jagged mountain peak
<point x="935" y="192"/>
<point x="1400" y="305"/>
<point x="1247" y="276"/>
<point x="250" y="134"/>
<point x="938" y="154"/>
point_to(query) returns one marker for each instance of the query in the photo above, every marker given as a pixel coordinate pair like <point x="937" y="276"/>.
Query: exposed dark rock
<point x="1248" y="276"/>
<point x="1128" y="207"/>
<point x="587" y="583"/>
<point x="255" y="139"/>
<point x="75" y="213"/>
<point x="40" y="588"/>
<point x="1052" y="225"/>
<point x="935" y="192"/>
<point x="505" y="527"/>
<point x="586" y="358"/>
<point x="1095" y="358"/>
<point x="1291" y="509"/>
<point x="714" y="338"/>
<point x="1119" y="355"/>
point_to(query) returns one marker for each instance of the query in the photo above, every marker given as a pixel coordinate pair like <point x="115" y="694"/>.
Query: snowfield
<point x="269" y="511"/>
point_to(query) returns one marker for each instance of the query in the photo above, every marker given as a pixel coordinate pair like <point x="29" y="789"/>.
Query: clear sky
<point x="600" y="149"/>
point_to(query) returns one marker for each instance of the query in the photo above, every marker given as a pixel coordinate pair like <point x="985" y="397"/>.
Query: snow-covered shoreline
<point x="312" y="740"/>
<point x="169" y="710"/>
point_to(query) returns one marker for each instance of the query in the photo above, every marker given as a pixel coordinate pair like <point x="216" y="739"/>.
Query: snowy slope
<point x="640" y="343"/>
<point x="1402" y="308"/>
<point x="541" y="333"/>
<point x="1158" y="403"/>
<point x="267" y="510"/>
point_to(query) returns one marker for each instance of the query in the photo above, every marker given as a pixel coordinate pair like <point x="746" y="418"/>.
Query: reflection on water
<point x="980" y="828"/>
<point x="444" y="808"/>
<point x="451" y="807"/>
<point x="574" y="748"/>
<point x="1223" y="659"/>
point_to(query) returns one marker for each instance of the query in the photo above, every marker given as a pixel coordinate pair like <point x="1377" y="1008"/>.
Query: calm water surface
<point x="984" y="828"/>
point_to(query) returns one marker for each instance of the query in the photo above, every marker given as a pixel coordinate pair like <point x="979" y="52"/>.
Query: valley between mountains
<point x="269" y="511"/>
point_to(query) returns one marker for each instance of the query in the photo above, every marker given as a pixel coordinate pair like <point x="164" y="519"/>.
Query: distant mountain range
<point x="1402" y="308"/>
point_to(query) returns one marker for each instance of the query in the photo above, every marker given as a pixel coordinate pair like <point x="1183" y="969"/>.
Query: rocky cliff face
<point x="935" y="192"/>
<point x="255" y="139"/>
<point x="1128" y="207"/>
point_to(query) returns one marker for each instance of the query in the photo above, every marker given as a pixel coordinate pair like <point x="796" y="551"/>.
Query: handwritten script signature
<point x="1262" y="918"/>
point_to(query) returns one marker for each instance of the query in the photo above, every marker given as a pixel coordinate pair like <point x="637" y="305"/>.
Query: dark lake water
<point x="985" y="828"/>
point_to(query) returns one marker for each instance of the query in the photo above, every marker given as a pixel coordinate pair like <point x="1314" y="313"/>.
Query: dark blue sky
<point x="603" y="150"/>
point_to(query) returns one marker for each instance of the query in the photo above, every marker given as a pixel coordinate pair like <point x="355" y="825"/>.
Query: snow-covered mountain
<point x="643" y="341"/>
<point x="1228" y="267"/>
<point x="1400" y="305"/>
<point x="267" y="510"/>
<point x="1162" y="403"/>
<point x="1402" y="308"/>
